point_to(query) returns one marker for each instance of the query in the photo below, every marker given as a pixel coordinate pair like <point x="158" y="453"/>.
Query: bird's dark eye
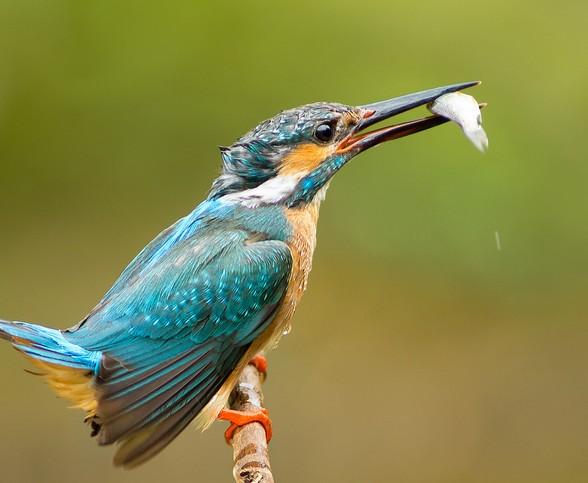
<point x="324" y="132"/>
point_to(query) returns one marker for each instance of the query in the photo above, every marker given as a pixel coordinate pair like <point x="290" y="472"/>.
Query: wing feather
<point x="172" y="336"/>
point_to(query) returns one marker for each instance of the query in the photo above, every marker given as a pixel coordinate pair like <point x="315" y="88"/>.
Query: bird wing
<point x="159" y="247"/>
<point x="173" y="336"/>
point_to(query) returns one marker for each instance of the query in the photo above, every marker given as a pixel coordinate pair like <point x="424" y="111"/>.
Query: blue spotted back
<point x="180" y="318"/>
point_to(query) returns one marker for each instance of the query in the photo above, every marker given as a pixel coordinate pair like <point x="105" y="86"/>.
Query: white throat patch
<point x="272" y="191"/>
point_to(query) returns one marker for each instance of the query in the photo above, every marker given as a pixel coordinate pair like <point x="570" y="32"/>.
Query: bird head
<point x="289" y="159"/>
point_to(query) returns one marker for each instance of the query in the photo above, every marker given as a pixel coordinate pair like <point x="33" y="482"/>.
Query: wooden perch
<point x="250" y="451"/>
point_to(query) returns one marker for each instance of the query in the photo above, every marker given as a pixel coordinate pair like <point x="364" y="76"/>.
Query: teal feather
<point x="175" y="324"/>
<point x="172" y="334"/>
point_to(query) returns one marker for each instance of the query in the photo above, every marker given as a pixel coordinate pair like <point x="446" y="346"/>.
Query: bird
<point x="165" y="345"/>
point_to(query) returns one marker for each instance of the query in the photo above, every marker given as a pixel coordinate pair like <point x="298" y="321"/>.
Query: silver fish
<point x="465" y="111"/>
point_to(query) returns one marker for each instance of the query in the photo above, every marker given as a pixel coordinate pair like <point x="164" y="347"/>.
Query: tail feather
<point x="68" y="368"/>
<point x="141" y="402"/>
<point x="49" y="345"/>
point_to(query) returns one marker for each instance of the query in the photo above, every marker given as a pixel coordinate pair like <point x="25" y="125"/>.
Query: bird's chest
<point x="302" y="243"/>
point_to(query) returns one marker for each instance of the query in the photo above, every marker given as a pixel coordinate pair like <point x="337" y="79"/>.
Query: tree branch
<point x="250" y="451"/>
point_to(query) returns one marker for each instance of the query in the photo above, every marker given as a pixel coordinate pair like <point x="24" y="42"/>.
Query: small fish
<point x="465" y="111"/>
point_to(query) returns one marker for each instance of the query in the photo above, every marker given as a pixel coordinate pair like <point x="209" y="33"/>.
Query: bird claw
<point x="260" y="363"/>
<point x="241" y="418"/>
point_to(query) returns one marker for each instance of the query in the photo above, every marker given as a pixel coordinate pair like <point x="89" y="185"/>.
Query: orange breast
<point x="303" y="221"/>
<point x="302" y="244"/>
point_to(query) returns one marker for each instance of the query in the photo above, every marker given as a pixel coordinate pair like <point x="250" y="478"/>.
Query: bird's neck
<point x="283" y="190"/>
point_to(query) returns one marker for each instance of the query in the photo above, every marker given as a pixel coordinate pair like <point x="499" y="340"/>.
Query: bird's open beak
<point x="379" y="111"/>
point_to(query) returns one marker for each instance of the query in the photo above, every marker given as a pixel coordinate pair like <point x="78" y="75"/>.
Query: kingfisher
<point x="166" y="344"/>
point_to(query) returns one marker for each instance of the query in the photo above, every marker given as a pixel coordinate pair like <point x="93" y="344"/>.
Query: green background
<point x="421" y="352"/>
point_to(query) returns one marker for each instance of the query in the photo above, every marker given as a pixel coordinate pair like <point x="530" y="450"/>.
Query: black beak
<point x="379" y="111"/>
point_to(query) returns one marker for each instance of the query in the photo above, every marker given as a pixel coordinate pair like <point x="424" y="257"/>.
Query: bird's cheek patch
<point x="305" y="158"/>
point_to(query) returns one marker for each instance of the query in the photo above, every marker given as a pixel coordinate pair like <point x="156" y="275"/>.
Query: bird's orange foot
<point x="260" y="363"/>
<point x="241" y="418"/>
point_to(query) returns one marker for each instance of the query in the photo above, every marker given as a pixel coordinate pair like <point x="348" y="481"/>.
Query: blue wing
<point x="171" y="335"/>
<point x="158" y="248"/>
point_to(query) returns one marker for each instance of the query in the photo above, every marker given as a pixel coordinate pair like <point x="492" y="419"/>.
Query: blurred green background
<point x="421" y="352"/>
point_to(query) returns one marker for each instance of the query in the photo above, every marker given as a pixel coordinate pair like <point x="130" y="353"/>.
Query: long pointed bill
<point x="380" y="111"/>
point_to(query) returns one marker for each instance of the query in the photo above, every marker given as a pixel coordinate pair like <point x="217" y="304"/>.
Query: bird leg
<point x="241" y="418"/>
<point x="260" y="363"/>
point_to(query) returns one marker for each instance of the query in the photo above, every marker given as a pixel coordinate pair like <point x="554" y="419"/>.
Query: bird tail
<point x="68" y="368"/>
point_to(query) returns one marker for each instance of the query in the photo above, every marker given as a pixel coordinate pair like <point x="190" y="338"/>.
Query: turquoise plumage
<point x="165" y="338"/>
<point x="166" y="342"/>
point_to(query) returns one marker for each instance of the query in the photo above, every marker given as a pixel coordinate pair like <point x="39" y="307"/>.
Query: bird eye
<point x="324" y="132"/>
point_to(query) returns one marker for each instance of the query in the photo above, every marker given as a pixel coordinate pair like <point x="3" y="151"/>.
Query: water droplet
<point x="498" y="242"/>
